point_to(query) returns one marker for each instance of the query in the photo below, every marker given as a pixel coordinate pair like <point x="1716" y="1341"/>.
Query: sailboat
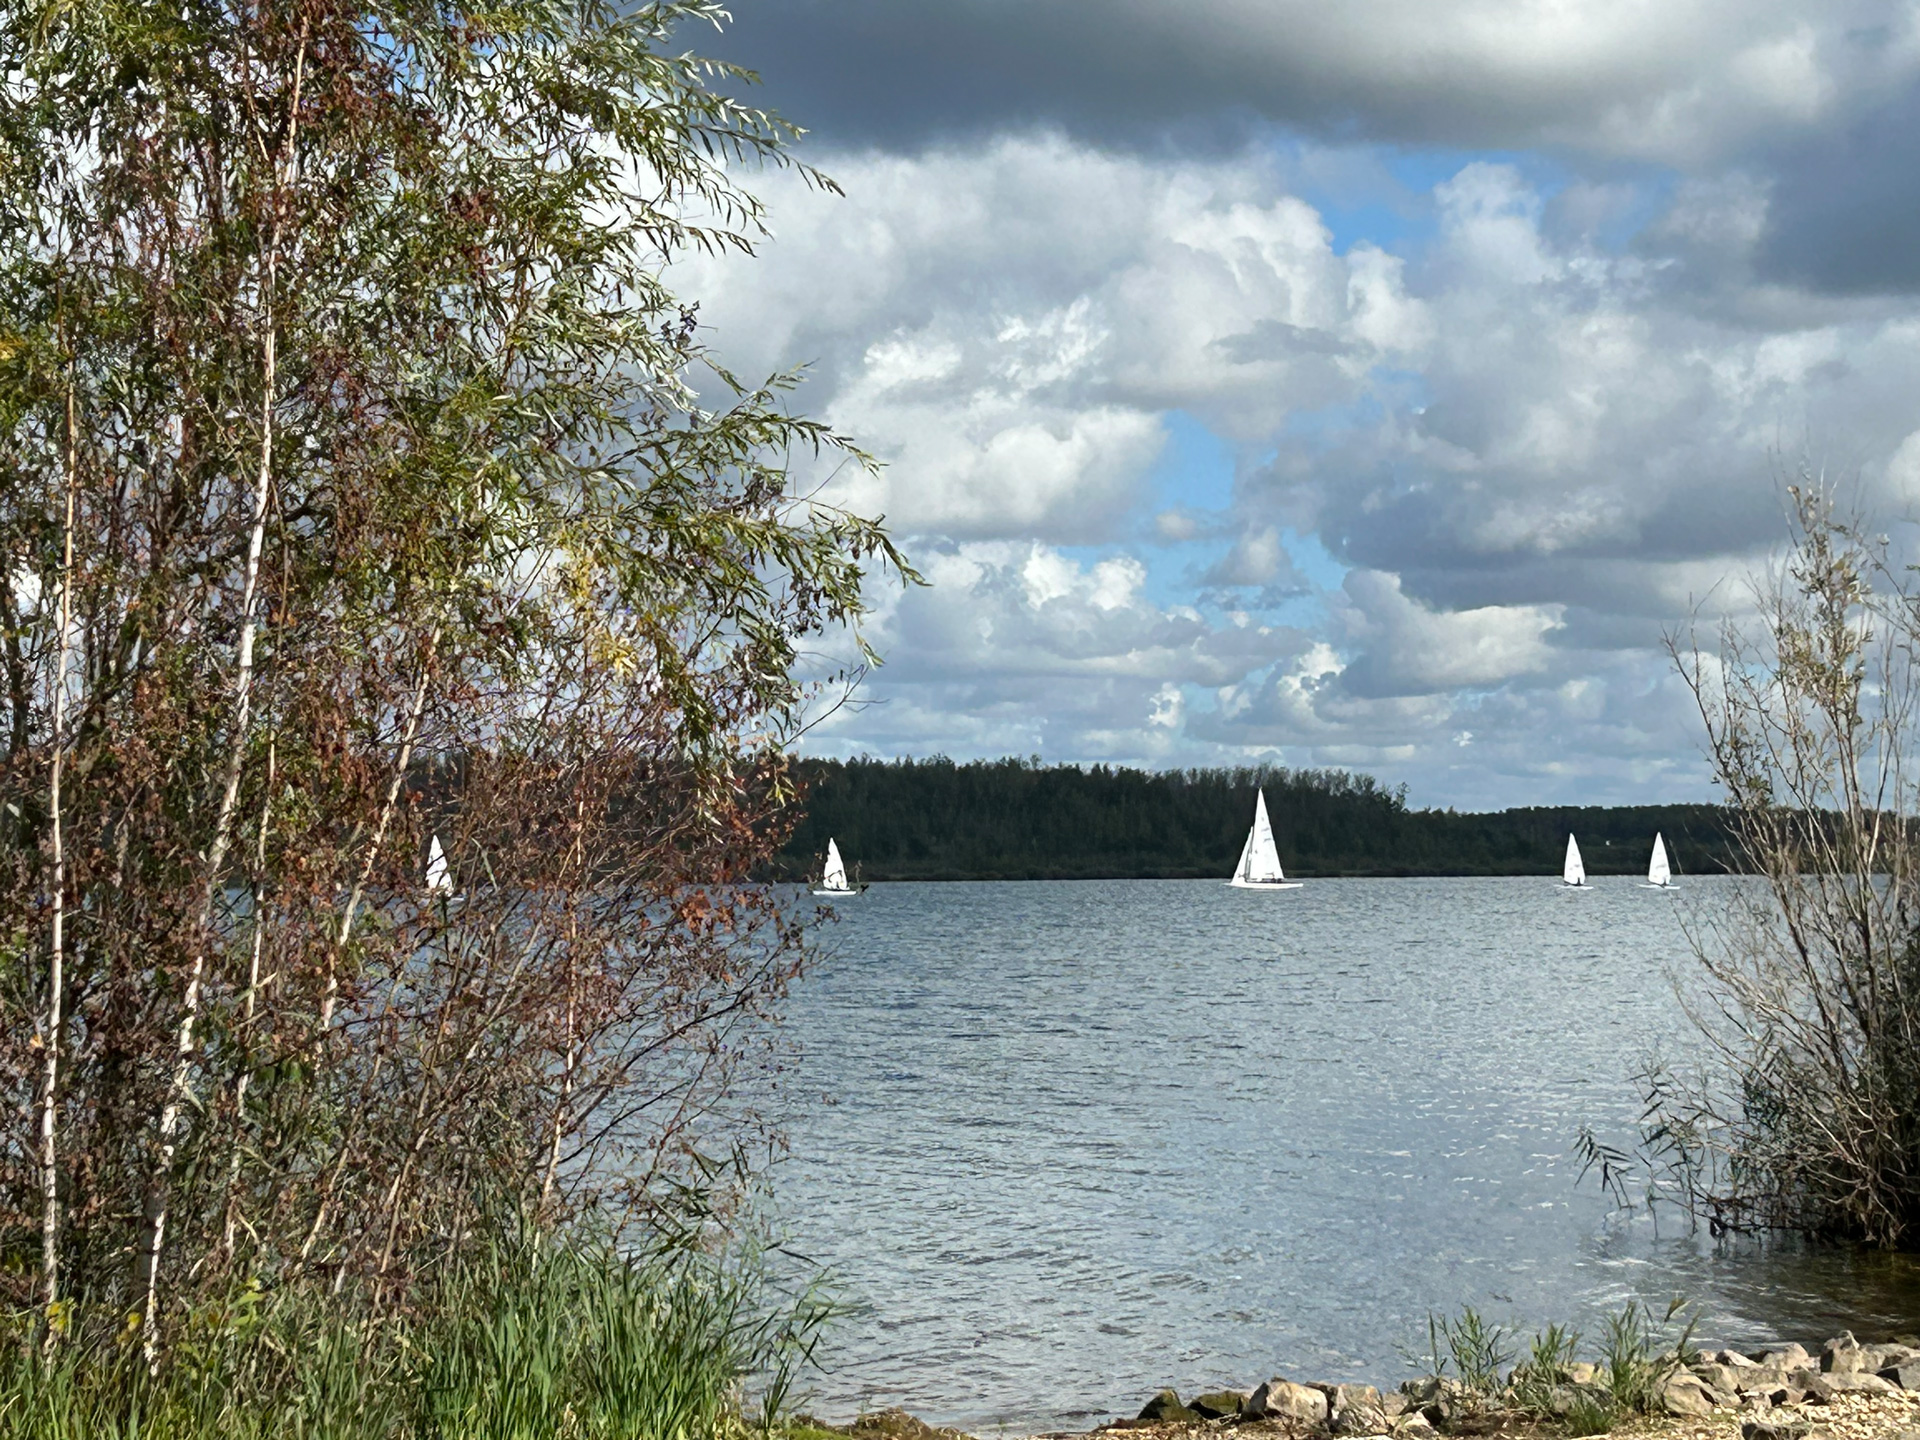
<point x="833" y="880"/>
<point x="1659" y="872"/>
<point x="1259" y="867"/>
<point x="439" y="877"/>
<point x="1574" y="872"/>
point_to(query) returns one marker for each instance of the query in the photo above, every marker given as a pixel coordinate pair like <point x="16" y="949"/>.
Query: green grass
<point x="523" y="1343"/>
<point x="1637" y="1354"/>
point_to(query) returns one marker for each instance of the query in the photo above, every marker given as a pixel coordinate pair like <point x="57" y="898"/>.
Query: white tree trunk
<point x="57" y="947"/>
<point x="179" y="1088"/>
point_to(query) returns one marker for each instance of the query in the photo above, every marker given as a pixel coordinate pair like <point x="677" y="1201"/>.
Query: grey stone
<point x="1724" y="1378"/>
<point x="1582" y="1372"/>
<point x="1166" y="1409"/>
<point x="1859" y="1382"/>
<point x="1394" y="1404"/>
<point x="1280" y="1399"/>
<point x="1838" y="1353"/>
<point x="1356" y="1410"/>
<point x="1413" y="1426"/>
<point x="1774" y="1428"/>
<point x="1812" y="1386"/>
<point x="1905" y="1375"/>
<point x="1218" y="1404"/>
<point x="1789" y="1357"/>
<point x="1686" y="1394"/>
<point x="1733" y="1358"/>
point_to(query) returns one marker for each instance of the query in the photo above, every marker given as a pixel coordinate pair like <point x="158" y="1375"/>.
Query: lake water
<point x="1066" y="1143"/>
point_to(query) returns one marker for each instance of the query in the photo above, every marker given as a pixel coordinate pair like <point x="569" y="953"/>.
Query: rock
<point x="1859" y="1382"/>
<point x="1778" y="1428"/>
<point x="1413" y="1426"/>
<point x="1813" y="1387"/>
<point x="1283" y="1400"/>
<point x="1834" y="1355"/>
<point x="1783" y="1395"/>
<point x="1356" y="1410"/>
<point x="1166" y="1409"/>
<point x="1395" y="1405"/>
<point x="1218" y="1404"/>
<point x="1733" y="1358"/>
<point x="1686" y="1394"/>
<point x="1905" y="1375"/>
<point x="1787" y="1357"/>
<point x="1580" y="1372"/>
<point x="897" y="1424"/>
<point x="1724" y="1378"/>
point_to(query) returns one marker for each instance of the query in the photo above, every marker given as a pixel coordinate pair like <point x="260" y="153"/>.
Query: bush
<point x="1807" y="1114"/>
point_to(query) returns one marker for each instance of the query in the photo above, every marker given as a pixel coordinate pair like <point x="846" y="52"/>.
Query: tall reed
<point x="524" y="1341"/>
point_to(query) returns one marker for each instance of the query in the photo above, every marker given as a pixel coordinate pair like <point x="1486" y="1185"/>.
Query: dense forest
<point x="1022" y="820"/>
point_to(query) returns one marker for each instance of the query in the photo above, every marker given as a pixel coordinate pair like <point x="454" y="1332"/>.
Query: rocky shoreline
<point x="1695" y="1383"/>
<point x="1848" y="1390"/>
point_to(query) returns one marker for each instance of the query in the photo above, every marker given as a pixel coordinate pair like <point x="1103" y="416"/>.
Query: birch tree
<point x="409" y="505"/>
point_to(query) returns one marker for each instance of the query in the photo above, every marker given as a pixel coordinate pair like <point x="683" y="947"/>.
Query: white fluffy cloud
<point x="1015" y="647"/>
<point x="1463" y="486"/>
<point x="1004" y="328"/>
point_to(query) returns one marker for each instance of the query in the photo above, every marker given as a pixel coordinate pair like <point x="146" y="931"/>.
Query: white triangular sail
<point x="1259" y="857"/>
<point x="834" y="877"/>
<point x="439" y="880"/>
<point x="1659" y="872"/>
<point x="1574" y="872"/>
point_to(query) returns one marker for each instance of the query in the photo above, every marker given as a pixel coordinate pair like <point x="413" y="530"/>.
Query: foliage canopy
<point x="360" y="485"/>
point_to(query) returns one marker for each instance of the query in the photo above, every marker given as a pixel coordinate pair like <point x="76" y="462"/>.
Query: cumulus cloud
<point x="1586" y="418"/>
<point x="1011" y="371"/>
<point x="1464" y="484"/>
<point x="1405" y="648"/>
<point x="1014" y="647"/>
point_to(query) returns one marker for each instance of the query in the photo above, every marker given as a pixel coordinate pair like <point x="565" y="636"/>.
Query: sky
<point x="1369" y="385"/>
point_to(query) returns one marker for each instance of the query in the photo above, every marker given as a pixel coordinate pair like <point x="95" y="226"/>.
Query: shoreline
<point x="1846" y="1390"/>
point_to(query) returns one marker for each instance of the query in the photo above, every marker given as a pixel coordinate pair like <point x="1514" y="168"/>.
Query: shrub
<point x="1806" y="1114"/>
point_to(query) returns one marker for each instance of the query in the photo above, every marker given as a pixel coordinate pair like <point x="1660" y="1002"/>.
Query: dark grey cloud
<point x="1691" y="75"/>
<point x="1844" y="215"/>
<point x="1815" y="100"/>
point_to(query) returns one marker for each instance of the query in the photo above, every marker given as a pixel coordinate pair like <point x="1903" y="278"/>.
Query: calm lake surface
<point x="1066" y="1143"/>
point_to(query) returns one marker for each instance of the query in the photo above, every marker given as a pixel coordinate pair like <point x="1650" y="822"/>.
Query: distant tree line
<point x="1021" y="820"/>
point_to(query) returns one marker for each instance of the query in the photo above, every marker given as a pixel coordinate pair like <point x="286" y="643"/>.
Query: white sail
<point x="1659" y="872"/>
<point x="1259" y="857"/>
<point x="1574" y="873"/>
<point x="835" y="875"/>
<point x="439" y="881"/>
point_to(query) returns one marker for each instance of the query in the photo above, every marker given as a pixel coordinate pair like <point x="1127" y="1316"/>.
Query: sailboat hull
<point x="851" y="890"/>
<point x="1649" y="885"/>
<point x="1238" y="884"/>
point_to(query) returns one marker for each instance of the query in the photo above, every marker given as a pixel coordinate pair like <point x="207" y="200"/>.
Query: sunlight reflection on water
<point x="1066" y="1143"/>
